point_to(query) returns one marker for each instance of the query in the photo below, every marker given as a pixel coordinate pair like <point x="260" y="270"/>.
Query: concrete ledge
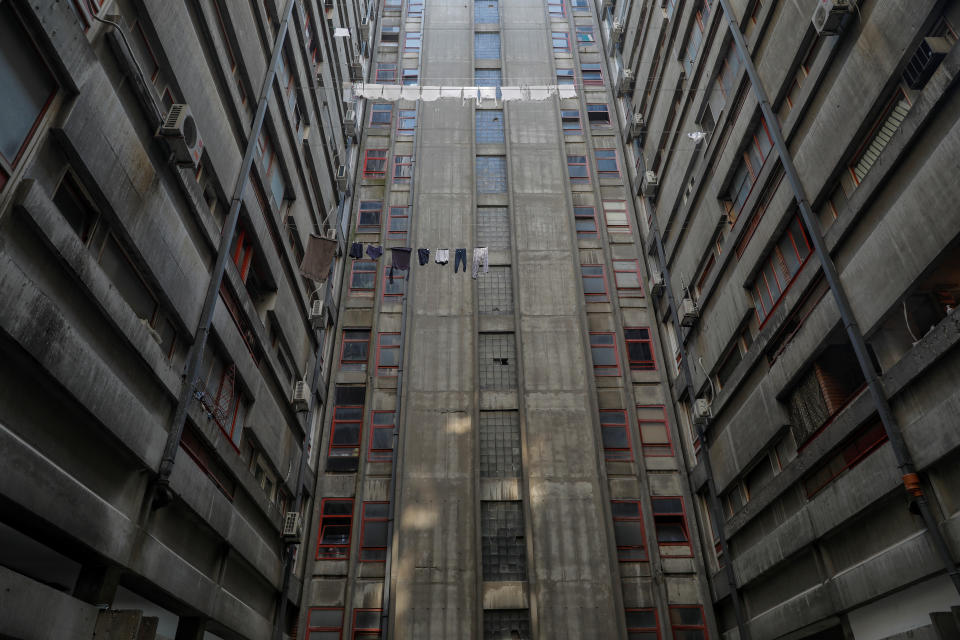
<point x="506" y="595"/>
<point x="24" y="602"/>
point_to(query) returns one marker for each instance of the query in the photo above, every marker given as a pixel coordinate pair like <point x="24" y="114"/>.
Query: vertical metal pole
<point x="905" y="463"/>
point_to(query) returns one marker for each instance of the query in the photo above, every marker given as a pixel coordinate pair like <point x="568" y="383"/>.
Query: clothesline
<point x="401" y="257"/>
<point x="393" y="92"/>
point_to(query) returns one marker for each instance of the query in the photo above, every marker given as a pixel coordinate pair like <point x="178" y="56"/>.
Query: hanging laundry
<point x="318" y="257"/>
<point x="443" y="256"/>
<point x="356" y="250"/>
<point x="374" y="251"/>
<point x="400" y="260"/>
<point x="480" y="254"/>
<point x="460" y="255"/>
<point x="423" y="255"/>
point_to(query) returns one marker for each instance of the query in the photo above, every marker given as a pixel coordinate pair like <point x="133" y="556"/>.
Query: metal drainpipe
<point x="716" y="514"/>
<point x="162" y="493"/>
<point x="911" y="481"/>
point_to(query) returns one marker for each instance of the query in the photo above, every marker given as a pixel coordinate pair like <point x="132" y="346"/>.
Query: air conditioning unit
<point x="356" y="69"/>
<point x="650" y="184"/>
<point x="330" y="234"/>
<point x="342" y="177"/>
<point x="701" y="412"/>
<point x="688" y="312"/>
<point x="829" y="15"/>
<point x="350" y="123"/>
<point x="638" y="125"/>
<point x="292" y="527"/>
<point x="616" y="34"/>
<point x="625" y="82"/>
<point x="316" y="314"/>
<point x="657" y="287"/>
<point x="301" y="395"/>
<point x="364" y="28"/>
<point x="179" y="129"/>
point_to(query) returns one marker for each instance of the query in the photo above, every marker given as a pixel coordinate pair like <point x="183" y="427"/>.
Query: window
<point x="640" y="349"/>
<point x="406" y="121"/>
<point x="486" y="12"/>
<point x="579" y="5"/>
<point x="486" y="46"/>
<point x="561" y="42"/>
<point x="654" y="430"/>
<point x="223" y="398"/>
<point x="393" y="291"/>
<point x="498" y="360"/>
<point x="355" y="349"/>
<point x="823" y="391"/>
<point x="206" y="459"/>
<point x="729" y="72"/>
<point x="242" y="252"/>
<point x="375" y="163"/>
<point x="879" y="137"/>
<point x="565" y="76"/>
<point x="502" y="540"/>
<point x="415" y="8"/>
<point x="585" y="220"/>
<point x="386" y="72"/>
<point x="380" y="446"/>
<point x="671" y="523"/>
<point x="687" y="622"/>
<point x="733" y="356"/>
<point x="607" y="164"/>
<point x="865" y="441"/>
<point x="368" y="217"/>
<point x="398" y="223"/>
<point x="493" y="227"/>
<point x="489" y="126"/>
<point x="752" y="161"/>
<point x="598" y="115"/>
<point x="366" y="623"/>
<point x="592" y="74"/>
<point x="336" y="520"/>
<point x="373" y="531"/>
<point x="488" y="78"/>
<point x="411" y="41"/>
<point x="381" y="115"/>
<point x="570" y="118"/>
<point x="594" y="283"/>
<point x="411" y="76"/>
<point x="491" y="174"/>
<point x="779" y="269"/>
<point x="556" y="9"/>
<point x="495" y="291"/>
<point x="585" y="35"/>
<point x="273" y="174"/>
<point x="345" y="432"/>
<point x="402" y="169"/>
<point x="389" y="36"/>
<point x="695" y="37"/>
<point x="499" y="444"/>
<point x="506" y="623"/>
<point x="616" y="436"/>
<point x="577" y="169"/>
<point x="615" y="213"/>
<point x="151" y="66"/>
<point x="324" y="623"/>
<point x="628" y="531"/>
<point x="642" y="624"/>
<point x="603" y="348"/>
<point x="626" y="276"/>
<point x="363" y="276"/>
<point x="228" y="47"/>
<point x="799" y="78"/>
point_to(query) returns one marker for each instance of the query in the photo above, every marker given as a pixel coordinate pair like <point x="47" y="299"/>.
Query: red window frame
<point x="242" y="253"/>
<point x="566" y="118"/>
<point x="865" y="441"/>
<point x="563" y="38"/>
<point x="369" y="206"/>
<point x="591" y="73"/>
<point x="654" y="449"/>
<point x="395" y="290"/>
<point x="386" y="72"/>
<point x="616" y="228"/>
<point x="633" y="335"/>
<point x="335" y="550"/>
<point x="601" y="108"/>
<point x="565" y="76"/>
<point x="374" y="156"/>
<point x="579" y="215"/>
<point x="596" y="271"/>
<point x="898" y="96"/>
<point x="775" y="264"/>
<point x="398" y="215"/>
<point x="408" y="43"/>
<point x="605" y="340"/>
<point x="411" y="76"/>
<point x="646" y="628"/>
<point x="631" y="267"/>
<point x="406" y="121"/>
<point x="613" y="421"/>
<point x="381" y="108"/>
<point x="575" y="165"/>
<point x="630" y="553"/>
<point x="380" y="454"/>
<point x="369" y="518"/>
<point x="556" y="8"/>
<point x="343" y="420"/>
<point x="360" y="267"/>
<point x="365" y="632"/>
<point x="402" y="164"/>
<point x="387" y="369"/>
<point x="681" y="630"/>
<point x="671" y="518"/>
<point x="587" y="31"/>
<point x="146" y="43"/>
<point x="345" y="341"/>
<point x="324" y="628"/>
<point x="604" y="156"/>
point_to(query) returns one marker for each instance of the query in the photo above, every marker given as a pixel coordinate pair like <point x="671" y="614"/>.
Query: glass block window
<point x="498" y="361"/>
<point x="499" y="444"/>
<point x="502" y="541"/>
<point x="486" y="12"/>
<point x="489" y="78"/>
<point x="495" y="291"/>
<point x="491" y="174"/>
<point x="489" y="126"/>
<point x="486" y="46"/>
<point x="493" y="227"/>
<point x="506" y="624"/>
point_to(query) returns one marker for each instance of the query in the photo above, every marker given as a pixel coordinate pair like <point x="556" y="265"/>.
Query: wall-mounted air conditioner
<point x="688" y="312"/>
<point x="365" y="28"/>
<point x="350" y="123"/>
<point x="342" y="177"/>
<point x="701" y="412"/>
<point x="179" y="129"/>
<point x="301" y="396"/>
<point x="638" y="126"/>
<point x="616" y="33"/>
<point x="649" y="184"/>
<point x="828" y="17"/>
<point x="292" y="527"/>
<point x="657" y="286"/>
<point x="625" y="82"/>
<point x="316" y="313"/>
<point x="356" y="69"/>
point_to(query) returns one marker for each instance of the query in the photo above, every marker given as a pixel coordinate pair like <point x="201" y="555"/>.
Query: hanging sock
<point x="400" y="260"/>
<point x="423" y="255"/>
<point x="374" y="251"/>
<point x="480" y="254"/>
<point x="443" y="256"/>
<point x="356" y="250"/>
<point x="460" y="255"/>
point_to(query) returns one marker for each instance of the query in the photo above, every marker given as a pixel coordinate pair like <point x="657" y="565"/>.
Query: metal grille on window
<point x="491" y="174"/>
<point x="489" y="126"/>
<point x="501" y="538"/>
<point x="498" y="361"/>
<point x="499" y="444"/>
<point x="493" y="227"/>
<point x="495" y="291"/>
<point x="506" y="624"/>
<point x="486" y="46"/>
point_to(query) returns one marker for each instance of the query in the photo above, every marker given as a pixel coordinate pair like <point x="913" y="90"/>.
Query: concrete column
<point x="97" y="584"/>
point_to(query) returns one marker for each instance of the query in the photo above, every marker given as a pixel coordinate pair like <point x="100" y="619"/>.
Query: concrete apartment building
<point x="646" y="420"/>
